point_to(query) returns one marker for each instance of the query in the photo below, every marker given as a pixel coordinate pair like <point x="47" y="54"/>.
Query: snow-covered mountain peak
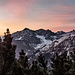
<point x="45" y="41"/>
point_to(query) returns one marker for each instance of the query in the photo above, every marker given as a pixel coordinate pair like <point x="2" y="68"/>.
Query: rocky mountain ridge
<point x="45" y="41"/>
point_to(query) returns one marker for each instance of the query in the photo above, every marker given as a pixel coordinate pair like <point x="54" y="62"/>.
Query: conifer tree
<point x="17" y="70"/>
<point x="7" y="53"/>
<point x="43" y="63"/>
<point x="35" y="69"/>
<point x="61" y="64"/>
<point x="72" y="70"/>
<point x="23" y="61"/>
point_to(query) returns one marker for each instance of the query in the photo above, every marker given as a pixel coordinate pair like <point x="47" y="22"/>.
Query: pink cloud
<point x="18" y="8"/>
<point x="58" y="15"/>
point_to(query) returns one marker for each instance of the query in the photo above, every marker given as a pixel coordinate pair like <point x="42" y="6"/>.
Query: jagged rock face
<point x="45" y="41"/>
<point x="46" y="33"/>
<point x="67" y="44"/>
<point x="60" y="32"/>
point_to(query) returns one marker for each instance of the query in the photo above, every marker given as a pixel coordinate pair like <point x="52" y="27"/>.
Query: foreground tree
<point x="43" y="63"/>
<point x="72" y="56"/>
<point x="61" y="64"/>
<point x="7" y="52"/>
<point x="36" y="69"/>
<point x="23" y="61"/>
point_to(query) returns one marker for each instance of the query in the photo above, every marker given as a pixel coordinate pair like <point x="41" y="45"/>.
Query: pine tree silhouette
<point x="61" y="64"/>
<point x="42" y="61"/>
<point x="23" y="61"/>
<point x="35" y="69"/>
<point x="72" y="70"/>
<point x="7" y="53"/>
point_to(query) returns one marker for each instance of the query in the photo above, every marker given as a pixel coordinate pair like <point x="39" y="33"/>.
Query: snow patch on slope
<point x="18" y="38"/>
<point x="44" y="43"/>
<point x="61" y="39"/>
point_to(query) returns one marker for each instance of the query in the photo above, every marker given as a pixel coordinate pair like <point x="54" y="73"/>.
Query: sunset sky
<point x="35" y="14"/>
